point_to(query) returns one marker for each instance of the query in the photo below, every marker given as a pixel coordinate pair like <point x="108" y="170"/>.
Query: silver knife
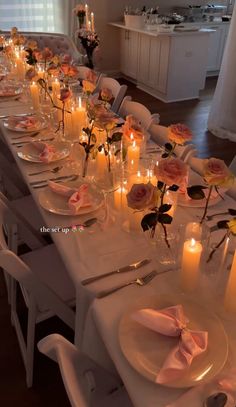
<point x="44" y="183"/>
<point x="130" y="267"/>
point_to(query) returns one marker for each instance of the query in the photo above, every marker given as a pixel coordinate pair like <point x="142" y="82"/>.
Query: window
<point x="35" y="15"/>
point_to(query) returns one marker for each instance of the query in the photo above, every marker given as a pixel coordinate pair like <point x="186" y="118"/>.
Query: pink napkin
<point x="46" y="151"/>
<point x="24" y="122"/>
<point x="172" y="322"/>
<point x="7" y="90"/>
<point x="78" y="197"/>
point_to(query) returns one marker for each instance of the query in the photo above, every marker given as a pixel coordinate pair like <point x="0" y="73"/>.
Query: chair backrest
<point x="117" y="90"/>
<point x="232" y="166"/>
<point x="14" y="223"/>
<point x="19" y="271"/>
<point x="139" y="111"/>
<point x="58" y="43"/>
<point x="86" y="383"/>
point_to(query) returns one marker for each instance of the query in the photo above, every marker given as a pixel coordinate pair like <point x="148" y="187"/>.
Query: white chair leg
<point x="30" y="342"/>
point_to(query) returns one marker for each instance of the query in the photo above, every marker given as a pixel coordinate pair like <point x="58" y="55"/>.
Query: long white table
<point x="95" y="251"/>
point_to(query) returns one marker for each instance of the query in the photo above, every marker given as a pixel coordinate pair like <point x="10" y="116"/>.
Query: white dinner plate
<point x="29" y="153"/>
<point x="58" y="204"/>
<point x="13" y="92"/>
<point x="197" y="203"/>
<point x="147" y="350"/>
<point x="39" y="125"/>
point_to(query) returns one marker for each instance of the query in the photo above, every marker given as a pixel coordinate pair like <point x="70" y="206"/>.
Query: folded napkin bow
<point x="172" y="322"/>
<point x="78" y="197"/>
<point x="46" y="151"/>
<point x="24" y="122"/>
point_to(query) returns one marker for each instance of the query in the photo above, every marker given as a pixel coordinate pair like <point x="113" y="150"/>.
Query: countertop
<point x="154" y="33"/>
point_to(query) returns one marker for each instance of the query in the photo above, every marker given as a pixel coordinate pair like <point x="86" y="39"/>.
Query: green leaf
<point x="232" y="212"/>
<point x="164" y="218"/>
<point x="196" y="192"/>
<point x="168" y="147"/>
<point x="165" y="155"/>
<point x="117" y="152"/>
<point x="160" y="185"/>
<point x="93" y="138"/>
<point x="116" y="137"/>
<point x="100" y="148"/>
<point x="165" y="208"/>
<point x="149" y="221"/>
<point x="86" y="130"/>
<point x="173" y="188"/>
<point x="223" y="224"/>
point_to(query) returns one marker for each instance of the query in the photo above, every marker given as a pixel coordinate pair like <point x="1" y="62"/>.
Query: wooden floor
<point x="193" y="113"/>
<point x="48" y="389"/>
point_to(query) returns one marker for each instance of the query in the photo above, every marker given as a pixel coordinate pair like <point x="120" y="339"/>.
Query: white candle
<point x="190" y="264"/>
<point x="101" y="163"/>
<point x="89" y="25"/>
<point x="133" y="155"/>
<point x="230" y="293"/>
<point x="150" y="177"/>
<point x="34" y="90"/>
<point x="55" y="90"/>
<point x="41" y="73"/>
<point x="92" y="22"/>
<point x="78" y="119"/>
<point x="87" y="16"/>
<point x="20" y="69"/>
<point x="120" y="200"/>
<point x="136" y="178"/>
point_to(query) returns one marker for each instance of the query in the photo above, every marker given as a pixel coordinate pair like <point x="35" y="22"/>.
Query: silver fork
<point x="53" y="170"/>
<point x="21" y="143"/>
<point x="141" y="281"/>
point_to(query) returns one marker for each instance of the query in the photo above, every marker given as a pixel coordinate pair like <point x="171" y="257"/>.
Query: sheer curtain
<point x="222" y="118"/>
<point x="37" y="15"/>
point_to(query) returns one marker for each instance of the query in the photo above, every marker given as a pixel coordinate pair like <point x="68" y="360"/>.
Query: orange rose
<point x="88" y="87"/>
<point x="216" y="173"/>
<point x="179" y="133"/>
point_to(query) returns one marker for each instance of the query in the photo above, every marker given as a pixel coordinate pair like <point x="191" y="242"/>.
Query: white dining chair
<point x="118" y="91"/>
<point x="87" y="384"/>
<point x="45" y="285"/>
<point x="19" y="229"/>
<point x="139" y="111"/>
<point x="84" y="72"/>
<point x="159" y="134"/>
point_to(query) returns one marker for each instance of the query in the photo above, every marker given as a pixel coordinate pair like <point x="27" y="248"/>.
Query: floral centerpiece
<point x="171" y="173"/>
<point x="90" y="41"/>
<point x="80" y="12"/>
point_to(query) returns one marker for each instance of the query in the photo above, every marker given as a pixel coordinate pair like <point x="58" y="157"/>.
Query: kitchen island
<point x="170" y="66"/>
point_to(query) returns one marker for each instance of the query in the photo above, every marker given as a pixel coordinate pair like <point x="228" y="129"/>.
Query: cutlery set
<point x="21" y="143"/>
<point x="44" y="183"/>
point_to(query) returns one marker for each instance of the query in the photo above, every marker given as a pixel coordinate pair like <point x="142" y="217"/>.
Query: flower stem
<point x="206" y="206"/>
<point x="166" y="236"/>
<point x="217" y="246"/>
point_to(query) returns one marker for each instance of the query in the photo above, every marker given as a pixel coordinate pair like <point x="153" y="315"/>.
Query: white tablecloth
<point x="95" y="251"/>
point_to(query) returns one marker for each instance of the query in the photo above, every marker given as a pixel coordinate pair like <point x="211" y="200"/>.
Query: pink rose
<point x="106" y="94"/>
<point x="65" y="58"/>
<point x="69" y="70"/>
<point x="179" y="133"/>
<point x="171" y="171"/>
<point x="65" y="94"/>
<point x="45" y="55"/>
<point x="133" y="126"/>
<point x="141" y="196"/>
<point x="216" y="173"/>
<point x="88" y="87"/>
<point x="105" y="119"/>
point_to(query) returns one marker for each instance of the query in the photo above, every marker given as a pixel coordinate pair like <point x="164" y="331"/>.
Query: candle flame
<point x="134" y="144"/>
<point x="193" y="242"/>
<point x="157" y="163"/>
<point x="80" y="103"/>
<point x="131" y="136"/>
<point x="138" y="174"/>
<point x="132" y="162"/>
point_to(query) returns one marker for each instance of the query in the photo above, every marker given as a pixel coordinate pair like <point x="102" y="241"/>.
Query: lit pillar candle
<point x="34" y="90"/>
<point x="78" y="119"/>
<point x="136" y="178"/>
<point x="41" y="73"/>
<point x="190" y="264"/>
<point x="92" y="22"/>
<point x="87" y="16"/>
<point x="89" y="25"/>
<point x="68" y="120"/>
<point x="133" y="155"/>
<point x="20" y="69"/>
<point x="55" y="90"/>
<point x="150" y="177"/>
<point x="120" y="200"/>
<point x="101" y="163"/>
<point x="230" y="293"/>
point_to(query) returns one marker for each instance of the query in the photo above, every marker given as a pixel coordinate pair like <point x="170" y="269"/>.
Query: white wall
<point x="112" y="10"/>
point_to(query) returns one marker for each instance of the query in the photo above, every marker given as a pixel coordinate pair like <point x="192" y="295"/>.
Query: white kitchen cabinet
<point x="129" y="53"/>
<point x="216" y="47"/>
